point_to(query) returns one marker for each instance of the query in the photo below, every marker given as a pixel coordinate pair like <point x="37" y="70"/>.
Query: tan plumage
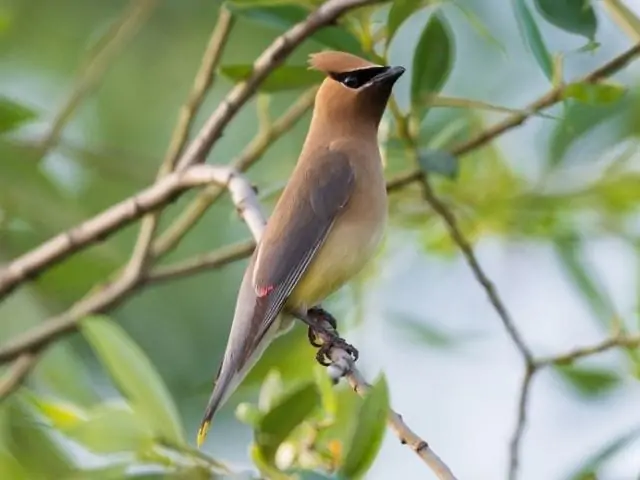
<point x="326" y="225"/>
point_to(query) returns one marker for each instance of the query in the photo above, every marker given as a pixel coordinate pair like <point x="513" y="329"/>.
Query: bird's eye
<point x="351" y="81"/>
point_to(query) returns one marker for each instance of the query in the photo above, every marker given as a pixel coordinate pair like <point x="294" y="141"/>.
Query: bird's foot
<point x="323" y="335"/>
<point x="323" y="357"/>
<point x="318" y="315"/>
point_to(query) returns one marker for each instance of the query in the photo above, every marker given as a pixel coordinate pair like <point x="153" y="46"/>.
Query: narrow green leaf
<point x="479" y="26"/>
<point x="532" y="37"/>
<point x="574" y="16"/>
<point x="399" y="12"/>
<point x="13" y="115"/>
<point x="368" y="432"/>
<point x="135" y="376"/>
<point x="568" y="252"/>
<point x="432" y="62"/>
<point x="277" y="424"/>
<point x="248" y="413"/>
<point x="283" y="17"/>
<point x="595" y="93"/>
<point x="62" y="415"/>
<point x="286" y="77"/>
<point x="589" y="470"/>
<point x="112" y="427"/>
<point x="440" y="162"/>
<point x="10" y="468"/>
<point x="588" y="381"/>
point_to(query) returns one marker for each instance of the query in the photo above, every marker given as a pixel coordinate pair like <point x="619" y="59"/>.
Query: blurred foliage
<point x="119" y="400"/>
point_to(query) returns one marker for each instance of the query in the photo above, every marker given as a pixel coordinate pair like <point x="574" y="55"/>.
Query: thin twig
<point x="266" y="137"/>
<point x="269" y="60"/>
<point x="16" y="373"/>
<point x="521" y="423"/>
<point x="102" y="225"/>
<point x="627" y="341"/>
<point x="202" y="84"/>
<point x="42" y="335"/>
<point x="109" y="46"/>
<point x="513" y="121"/>
<point x="201" y="263"/>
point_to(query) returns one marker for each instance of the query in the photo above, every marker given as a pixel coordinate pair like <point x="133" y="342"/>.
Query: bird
<point x="327" y="223"/>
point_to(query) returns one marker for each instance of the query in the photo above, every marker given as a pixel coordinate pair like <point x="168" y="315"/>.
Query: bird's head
<point x="354" y="89"/>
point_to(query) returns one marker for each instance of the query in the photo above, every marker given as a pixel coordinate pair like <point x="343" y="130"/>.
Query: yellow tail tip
<point x="202" y="433"/>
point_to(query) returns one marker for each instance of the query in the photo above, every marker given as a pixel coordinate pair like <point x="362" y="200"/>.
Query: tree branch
<point x="204" y="80"/>
<point x="268" y="61"/>
<point x="513" y="121"/>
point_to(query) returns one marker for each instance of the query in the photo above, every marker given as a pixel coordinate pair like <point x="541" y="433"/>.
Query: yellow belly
<point x="345" y="252"/>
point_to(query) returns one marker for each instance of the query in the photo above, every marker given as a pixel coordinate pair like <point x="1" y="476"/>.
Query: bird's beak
<point x="389" y="76"/>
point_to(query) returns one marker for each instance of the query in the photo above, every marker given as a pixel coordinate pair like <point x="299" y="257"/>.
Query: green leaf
<point x="589" y="470"/>
<point x="454" y="102"/>
<point x="62" y="415"/>
<point x="112" y="427"/>
<point x="271" y="391"/>
<point x="368" y="432"/>
<point x="13" y="115"/>
<point x="399" y="12"/>
<point x="284" y="17"/>
<point x="286" y="77"/>
<point x="532" y="37"/>
<point x="327" y="391"/>
<point x="135" y="376"/>
<point x="10" y="468"/>
<point x="432" y="62"/>
<point x="277" y="424"/>
<point x="29" y="438"/>
<point x="568" y="252"/>
<point x="248" y="413"/>
<point x="480" y="28"/>
<point x="595" y="93"/>
<point x="440" y="162"/>
<point x="588" y="382"/>
<point x="575" y="16"/>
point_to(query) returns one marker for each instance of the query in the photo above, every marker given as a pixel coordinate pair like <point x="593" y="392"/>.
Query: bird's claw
<point x="320" y="314"/>
<point x="336" y="342"/>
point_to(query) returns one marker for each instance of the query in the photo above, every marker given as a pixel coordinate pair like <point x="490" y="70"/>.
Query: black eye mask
<point x="357" y="78"/>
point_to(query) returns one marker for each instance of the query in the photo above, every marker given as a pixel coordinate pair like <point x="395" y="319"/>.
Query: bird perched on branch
<point x="326" y="225"/>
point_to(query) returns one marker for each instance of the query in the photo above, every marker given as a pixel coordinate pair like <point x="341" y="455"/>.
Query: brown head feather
<point x="337" y="62"/>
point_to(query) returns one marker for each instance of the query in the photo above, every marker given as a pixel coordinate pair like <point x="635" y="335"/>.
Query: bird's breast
<point x="352" y="242"/>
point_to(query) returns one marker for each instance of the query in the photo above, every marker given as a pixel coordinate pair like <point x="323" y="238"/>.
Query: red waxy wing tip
<point x="264" y="291"/>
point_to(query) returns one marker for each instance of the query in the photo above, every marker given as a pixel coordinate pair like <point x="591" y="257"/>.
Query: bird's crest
<point x="337" y="62"/>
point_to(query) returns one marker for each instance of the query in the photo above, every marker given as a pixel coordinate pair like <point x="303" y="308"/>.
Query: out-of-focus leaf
<point x="440" y="162"/>
<point x="327" y="390"/>
<point x="579" y="120"/>
<point x="399" y="12"/>
<point x="422" y="333"/>
<point x="30" y="438"/>
<point x="248" y="413"/>
<point x="588" y="382"/>
<point x="286" y="77"/>
<point x="283" y="17"/>
<point x="309" y="475"/>
<point x="13" y="115"/>
<point x="532" y="37"/>
<point x="453" y="102"/>
<point x="624" y="16"/>
<point x="277" y="424"/>
<point x="61" y="415"/>
<point x="368" y="432"/>
<point x="271" y="391"/>
<point x="10" y="468"/>
<point x="595" y="93"/>
<point x="112" y="427"/>
<point x="432" y="62"/>
<point x="135" y="376"/>
<point x="575" y="16"/>
<point x="479" y="26"/>
<point x="568" y="252"/>
<point x="589" y="470"/>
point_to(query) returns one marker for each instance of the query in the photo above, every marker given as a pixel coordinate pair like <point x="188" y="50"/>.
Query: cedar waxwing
<point x="327" y="223"/>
